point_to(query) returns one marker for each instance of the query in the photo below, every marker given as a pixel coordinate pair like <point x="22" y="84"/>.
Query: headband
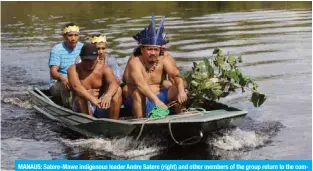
<point x="70" y="28"/>
<point x="98" y="39"/>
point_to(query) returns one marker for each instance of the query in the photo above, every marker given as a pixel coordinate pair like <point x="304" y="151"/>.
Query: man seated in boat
<point x="145" y="71"/>
<point x="61" y="57"/>
<point x="90" y="74"/>
<point x="166" y="81"/>
<point x="101" y="43"/>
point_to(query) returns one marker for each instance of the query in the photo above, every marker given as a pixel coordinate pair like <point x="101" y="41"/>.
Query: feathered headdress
<point x="149" y="36"/>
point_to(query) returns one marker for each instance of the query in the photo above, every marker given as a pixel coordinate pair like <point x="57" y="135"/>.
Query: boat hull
<point x="178" y="126"/>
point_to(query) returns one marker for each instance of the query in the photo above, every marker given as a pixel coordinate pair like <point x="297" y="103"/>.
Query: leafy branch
<point x="214" y="78"/>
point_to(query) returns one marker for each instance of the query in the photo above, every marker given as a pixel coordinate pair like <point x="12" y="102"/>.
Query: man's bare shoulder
<point x="72" y="71"/>
<point x="165" y="59"/>
<point x="105" y="69"/>
<point x="134" y="58"/>
<point x="131" y="57"/>
<point x="168" y="56"/>
<point x="72" y="67"/>
<point x="134" y="61"/>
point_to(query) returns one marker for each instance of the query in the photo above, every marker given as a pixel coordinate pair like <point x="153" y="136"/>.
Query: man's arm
<point x="111" y="81"/>
<point x="78" y="87"/>
<point x="54" y="63"/>
<point x="173" y="73"/>
<point x="112" y="87"/>
<point x="57" y="76"/>
<point x="125" y="74"/>
<point x="142" y="85"/>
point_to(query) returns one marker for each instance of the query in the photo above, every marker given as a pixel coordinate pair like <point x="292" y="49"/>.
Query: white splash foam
<point x="16" y="101"/>
<point x="238" y="139"/>
<point x="126" y="148"/>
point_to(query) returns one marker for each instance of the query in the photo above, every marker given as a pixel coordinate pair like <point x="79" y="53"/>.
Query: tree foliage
<point x="214" y="78"/>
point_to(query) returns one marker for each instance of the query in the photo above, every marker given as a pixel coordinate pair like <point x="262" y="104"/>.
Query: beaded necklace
<point x="150" y="70"/>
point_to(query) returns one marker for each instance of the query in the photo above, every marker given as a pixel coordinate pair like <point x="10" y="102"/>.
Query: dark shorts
<point x="150" y="104"/>
<point x="97" y="112"/>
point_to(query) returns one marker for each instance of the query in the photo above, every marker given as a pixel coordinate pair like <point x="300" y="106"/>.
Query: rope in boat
<point x="188" y="113"/>
<point x="155" y="117"/>
<point x="182" y="115"/>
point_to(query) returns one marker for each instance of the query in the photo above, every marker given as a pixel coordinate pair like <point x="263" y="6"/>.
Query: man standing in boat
<point x="145" y="74"/>
<point x="90" y="74"/>
<point x="62" y="56"/>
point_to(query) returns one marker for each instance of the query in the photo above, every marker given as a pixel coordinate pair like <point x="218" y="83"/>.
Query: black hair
<point x="95" y="35"/>
<point x="69" y="24"/>
<point x="162" y="51"/>
<point x="137" y="51"/>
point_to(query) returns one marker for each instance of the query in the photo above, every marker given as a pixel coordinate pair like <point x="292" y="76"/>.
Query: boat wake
<point x="122" y="148"/>
<point x="17" y="102"/>
<point x="236" y="143"/>
<point x="21" y="100"/>
<point x="238" y="139"/>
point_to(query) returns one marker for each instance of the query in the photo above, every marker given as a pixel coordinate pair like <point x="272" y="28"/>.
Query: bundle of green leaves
<point x="217" y="77"/>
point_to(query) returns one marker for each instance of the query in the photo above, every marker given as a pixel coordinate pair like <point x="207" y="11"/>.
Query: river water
<point x="274" y="39"/>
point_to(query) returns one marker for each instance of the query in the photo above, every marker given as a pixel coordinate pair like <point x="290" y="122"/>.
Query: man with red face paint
<point x="90" y="74"/>
<point x="144" y="76"/>
<point x="62" y="56"/>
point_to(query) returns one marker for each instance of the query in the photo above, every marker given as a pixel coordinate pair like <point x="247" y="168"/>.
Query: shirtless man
<point x="166" y="82"/>
<point x="92" y="75"/>
<point x="101" y="43"/>
<point x="144" y="75"/>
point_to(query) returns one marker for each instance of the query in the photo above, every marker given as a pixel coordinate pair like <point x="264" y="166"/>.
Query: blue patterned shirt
<point x="63" y="57"/>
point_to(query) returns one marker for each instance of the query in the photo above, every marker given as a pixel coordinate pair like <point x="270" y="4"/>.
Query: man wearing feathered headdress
<point x="143" y="81"/>
<point x="62" y="56"/>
